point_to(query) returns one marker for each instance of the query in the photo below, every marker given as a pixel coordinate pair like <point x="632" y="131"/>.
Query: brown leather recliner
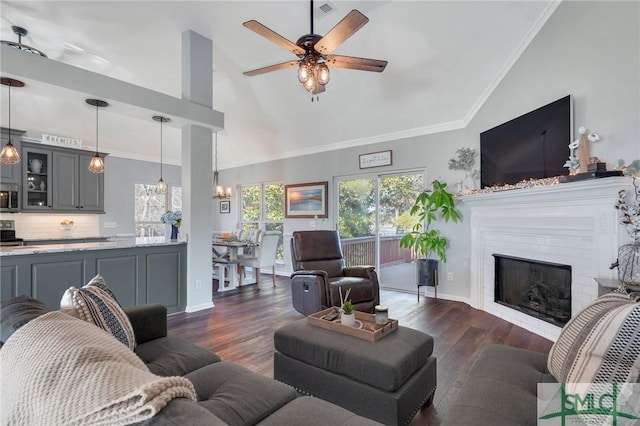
<point x="319" y="272"/>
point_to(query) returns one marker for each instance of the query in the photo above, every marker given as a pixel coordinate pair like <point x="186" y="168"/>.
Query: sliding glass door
<point x="373" y="214"/>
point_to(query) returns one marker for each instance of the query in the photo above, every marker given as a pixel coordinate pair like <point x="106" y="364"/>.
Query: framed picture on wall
<point x="306" y="200"/>
<point x="225" y="207"/>
<point x="376" y="159"/>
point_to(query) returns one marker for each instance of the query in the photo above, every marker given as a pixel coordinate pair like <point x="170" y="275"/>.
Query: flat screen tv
<point x="532" y="146"/>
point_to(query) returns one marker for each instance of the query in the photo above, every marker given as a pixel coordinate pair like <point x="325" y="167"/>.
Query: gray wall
<point x="587" y="49"/>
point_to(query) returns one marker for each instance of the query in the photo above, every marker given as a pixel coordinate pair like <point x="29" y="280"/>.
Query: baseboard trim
<point x="200" y="307"/>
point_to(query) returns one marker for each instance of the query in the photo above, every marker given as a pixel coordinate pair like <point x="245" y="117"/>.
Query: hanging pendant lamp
<point x="161" y="186"/>
<point x="97" y="164"/>
<point x="9" y="154"/>
<point x="219" y="191"/>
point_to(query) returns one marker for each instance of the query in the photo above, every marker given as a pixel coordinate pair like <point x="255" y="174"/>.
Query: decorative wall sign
<point x="376" y="159"/>
<point x="61" y="141"/>
<point x="225" y="206"/>
<point x="306" y="200"/>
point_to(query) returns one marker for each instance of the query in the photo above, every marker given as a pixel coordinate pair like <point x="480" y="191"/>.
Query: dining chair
<point x="265" y="256"/>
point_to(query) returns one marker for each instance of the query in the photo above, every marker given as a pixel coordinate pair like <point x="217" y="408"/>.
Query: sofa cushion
<point x="600" y="343"/>
<point x="183" y="412"/>
<point x="96" y="304"/>
<point x="501" y="388"/>
<point x="16" y="312"/>
<point x="238" y="396"/>
<point x="174" y="356"/>
<point x="310" y="411"/>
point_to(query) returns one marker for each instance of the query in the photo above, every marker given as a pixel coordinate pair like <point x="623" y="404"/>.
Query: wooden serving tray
<point x="369" y="330"/>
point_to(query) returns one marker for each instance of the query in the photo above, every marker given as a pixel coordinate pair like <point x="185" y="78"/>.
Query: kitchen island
<point x="138" y="271"/>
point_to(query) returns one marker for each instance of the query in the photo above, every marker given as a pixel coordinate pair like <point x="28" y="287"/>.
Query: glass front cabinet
<point x="37" y="179"/>
<point x="58" y="180"/>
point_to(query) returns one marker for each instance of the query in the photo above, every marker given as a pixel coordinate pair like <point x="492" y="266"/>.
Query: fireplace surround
<point x="573" y="224"/>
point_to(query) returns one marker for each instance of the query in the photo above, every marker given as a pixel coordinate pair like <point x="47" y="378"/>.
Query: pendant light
<point x="9" y="154"/>
<point x="161" y="186"/>
<point x="97" y="164"/>
<point x="219" y="192"/>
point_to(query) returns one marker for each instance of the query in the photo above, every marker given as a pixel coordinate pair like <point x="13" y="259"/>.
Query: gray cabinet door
<point x="90" y="185"/>
<point x="65" y="181"/>
<point x="36" y="179"/>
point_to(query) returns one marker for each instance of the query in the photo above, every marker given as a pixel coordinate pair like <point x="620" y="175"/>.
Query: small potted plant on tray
<point x="347" y="316"/>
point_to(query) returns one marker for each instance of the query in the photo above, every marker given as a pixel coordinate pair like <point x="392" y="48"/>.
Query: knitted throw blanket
<point x="60" y="370"/>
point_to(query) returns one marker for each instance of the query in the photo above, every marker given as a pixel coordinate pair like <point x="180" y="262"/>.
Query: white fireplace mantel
<point x="573" y="223"/>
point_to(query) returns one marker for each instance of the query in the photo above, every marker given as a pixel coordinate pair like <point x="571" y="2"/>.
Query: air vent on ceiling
<point x="324" y="9"/>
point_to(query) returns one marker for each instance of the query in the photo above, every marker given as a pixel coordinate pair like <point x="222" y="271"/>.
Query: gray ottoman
<point x="387" y="381"/>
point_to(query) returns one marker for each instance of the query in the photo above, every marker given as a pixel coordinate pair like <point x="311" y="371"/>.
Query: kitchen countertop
<point x="61" y="248"/>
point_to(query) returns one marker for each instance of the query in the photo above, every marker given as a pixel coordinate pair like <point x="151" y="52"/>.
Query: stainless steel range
<point x="8" y="234"/>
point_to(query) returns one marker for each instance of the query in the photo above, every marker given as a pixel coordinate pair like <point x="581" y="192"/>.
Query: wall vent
<point x="323" y="10"/>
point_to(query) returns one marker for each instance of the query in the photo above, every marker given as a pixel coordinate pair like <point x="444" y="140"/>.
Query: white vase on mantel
<point x="167" y="232"/>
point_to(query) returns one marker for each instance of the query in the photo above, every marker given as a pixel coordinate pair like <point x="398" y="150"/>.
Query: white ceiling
<point x="444" y="59"/>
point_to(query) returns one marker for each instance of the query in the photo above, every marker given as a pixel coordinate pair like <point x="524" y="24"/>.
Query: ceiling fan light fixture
<point x="21" y="32"/>
<point x="303" y="72"/>
<point x="310" y="84"/>
<point x="322" y="73"/>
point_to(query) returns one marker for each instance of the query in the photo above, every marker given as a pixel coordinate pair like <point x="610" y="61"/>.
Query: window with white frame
<point x="263" y="208"/>
<point x="149" y="208"/>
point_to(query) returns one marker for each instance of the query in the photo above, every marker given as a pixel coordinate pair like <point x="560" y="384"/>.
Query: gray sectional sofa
<point x="501" y="389"/>
<point x="227" y="394"/>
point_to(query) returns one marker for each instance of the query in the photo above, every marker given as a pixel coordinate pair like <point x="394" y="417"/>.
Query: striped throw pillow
<point x="600" y="344"/>
<point x="95" y="303"/>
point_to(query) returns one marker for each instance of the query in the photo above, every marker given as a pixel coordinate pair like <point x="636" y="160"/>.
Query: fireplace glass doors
<point x="539" y="289"/>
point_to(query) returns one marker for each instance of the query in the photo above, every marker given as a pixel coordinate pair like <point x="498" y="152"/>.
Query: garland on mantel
<point x="531" y="183"/>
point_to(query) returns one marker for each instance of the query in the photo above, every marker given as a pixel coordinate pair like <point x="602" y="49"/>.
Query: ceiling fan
<point x="314" y="52"/>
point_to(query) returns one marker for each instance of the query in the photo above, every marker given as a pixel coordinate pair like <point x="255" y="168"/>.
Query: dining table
<point x="225" y="257"/>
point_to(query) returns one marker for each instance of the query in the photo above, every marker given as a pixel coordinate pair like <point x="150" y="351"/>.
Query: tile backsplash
<point x="31" y="226"/>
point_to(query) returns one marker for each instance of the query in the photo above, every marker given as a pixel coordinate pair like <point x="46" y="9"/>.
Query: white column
<point x="197" y="174"/>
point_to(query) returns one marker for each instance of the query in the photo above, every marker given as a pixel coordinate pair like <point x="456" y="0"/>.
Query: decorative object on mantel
<point x="97" y="164"/>
<point x="175" y="220"/>
<point x="580" y="163"/>
<point x="423" y="239"/>
<point x="219" y="192"/>
<point x="161" y="186"/>
<point x="465" y="160"/>
<point x="9" y="154"/>
<point x="628" y="204"/>
<point x="524" y="184"/>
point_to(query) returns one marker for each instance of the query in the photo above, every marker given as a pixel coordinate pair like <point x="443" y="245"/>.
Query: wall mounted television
<point x="532" y="146"/>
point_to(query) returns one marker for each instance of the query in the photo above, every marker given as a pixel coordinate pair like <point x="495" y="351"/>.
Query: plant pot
<point x="348" y="319"/>
<point x="427" y="272"/>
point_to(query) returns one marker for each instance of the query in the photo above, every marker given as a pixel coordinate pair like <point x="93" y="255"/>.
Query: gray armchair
<point x="319" y="272"/>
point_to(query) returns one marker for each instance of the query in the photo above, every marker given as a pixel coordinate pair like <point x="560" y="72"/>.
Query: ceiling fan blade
<point x="353" y="63"/>
<point x="271" y="68"/>
<point x="265" y="32"/>
<point x="342" y="31"/>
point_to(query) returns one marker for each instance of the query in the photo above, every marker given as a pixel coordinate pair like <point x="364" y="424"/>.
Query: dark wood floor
<point x="240" y="328"/>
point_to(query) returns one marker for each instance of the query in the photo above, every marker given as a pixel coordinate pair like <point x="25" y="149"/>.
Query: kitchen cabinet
<point x="11" y="173"/>
<point x="137" y="275"/>
<point x="36" y="180"/>
<point x="71" y="187"/>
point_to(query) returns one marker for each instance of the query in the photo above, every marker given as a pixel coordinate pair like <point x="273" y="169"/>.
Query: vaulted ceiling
<point x="444" y="57"/>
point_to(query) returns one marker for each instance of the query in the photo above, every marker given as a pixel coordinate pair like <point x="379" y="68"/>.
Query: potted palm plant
<point x="430" y="206"/>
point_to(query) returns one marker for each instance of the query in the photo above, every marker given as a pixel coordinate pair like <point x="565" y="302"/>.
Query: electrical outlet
<point x="198" y="284"/>
<point x="449" y="276"/>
